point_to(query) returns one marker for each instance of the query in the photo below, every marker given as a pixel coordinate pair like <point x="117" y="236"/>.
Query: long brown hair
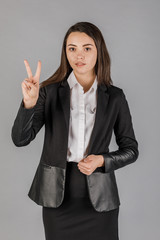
<point x="102" y="66"/>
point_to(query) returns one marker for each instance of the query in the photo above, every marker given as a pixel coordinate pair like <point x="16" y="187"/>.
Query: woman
<point x="80" y="107"/>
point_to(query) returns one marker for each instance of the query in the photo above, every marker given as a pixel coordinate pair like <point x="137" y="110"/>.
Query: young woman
<point x="80" y="107"/>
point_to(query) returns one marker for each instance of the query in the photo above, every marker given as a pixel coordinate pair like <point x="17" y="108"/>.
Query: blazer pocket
<point x="103" y="191"/>
<point x="47" y="188"/>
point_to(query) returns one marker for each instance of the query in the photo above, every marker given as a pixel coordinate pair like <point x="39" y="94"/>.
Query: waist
<point x="73" y="165"/>
<point x="75" y="184"/>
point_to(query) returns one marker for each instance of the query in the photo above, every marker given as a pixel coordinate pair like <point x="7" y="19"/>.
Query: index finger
<point x="38" y="71"/>
<point x="29" y="72"/>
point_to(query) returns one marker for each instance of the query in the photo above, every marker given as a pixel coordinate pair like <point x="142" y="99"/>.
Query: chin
<point x="81" y="71"/>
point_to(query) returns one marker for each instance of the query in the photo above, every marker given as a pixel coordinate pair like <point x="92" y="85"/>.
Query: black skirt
<point x="75" y="218"/>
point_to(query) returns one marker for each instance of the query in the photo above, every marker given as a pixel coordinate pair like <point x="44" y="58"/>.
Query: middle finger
<point x="29" y="72"/>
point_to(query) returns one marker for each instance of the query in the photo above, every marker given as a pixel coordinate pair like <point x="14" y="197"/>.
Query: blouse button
<point x="92" y="110"/>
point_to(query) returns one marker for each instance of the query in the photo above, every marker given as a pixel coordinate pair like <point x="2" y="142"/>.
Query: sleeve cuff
<point x="108" y="162"/>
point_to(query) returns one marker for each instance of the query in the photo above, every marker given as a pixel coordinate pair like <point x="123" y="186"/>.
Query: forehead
<point x="79" y="38"/>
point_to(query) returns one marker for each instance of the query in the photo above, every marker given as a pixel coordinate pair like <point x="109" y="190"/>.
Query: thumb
<point x="86" y="159"/>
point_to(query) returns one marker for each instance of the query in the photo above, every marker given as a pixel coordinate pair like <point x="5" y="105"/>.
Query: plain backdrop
<point x="33" y="30"/>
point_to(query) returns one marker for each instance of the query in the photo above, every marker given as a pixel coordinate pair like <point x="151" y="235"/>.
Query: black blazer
<point x="53" y="111"/>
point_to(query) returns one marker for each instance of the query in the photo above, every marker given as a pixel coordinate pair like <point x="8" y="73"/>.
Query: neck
<point x="86" y="80"/>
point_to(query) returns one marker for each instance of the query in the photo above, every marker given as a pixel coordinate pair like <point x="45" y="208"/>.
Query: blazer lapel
<point x="102" y="101"/>
<point x="64" y="96"/>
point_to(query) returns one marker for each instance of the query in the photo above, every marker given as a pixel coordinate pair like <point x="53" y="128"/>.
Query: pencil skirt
<point x="75" y="218"/>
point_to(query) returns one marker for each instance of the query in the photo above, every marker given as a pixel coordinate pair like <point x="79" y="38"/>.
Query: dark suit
<point x="53" y="110"/>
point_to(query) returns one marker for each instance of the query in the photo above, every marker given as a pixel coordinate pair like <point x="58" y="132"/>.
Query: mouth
<point x="80" y="64"/>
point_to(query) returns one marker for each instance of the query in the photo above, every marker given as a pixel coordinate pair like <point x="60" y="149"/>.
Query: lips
<point x="80" y="64"/>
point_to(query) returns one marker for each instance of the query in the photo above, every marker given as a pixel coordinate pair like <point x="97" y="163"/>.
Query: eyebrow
<point x="83" y="45"/>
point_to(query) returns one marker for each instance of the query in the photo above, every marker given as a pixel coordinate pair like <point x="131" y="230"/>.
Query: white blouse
<point x="82" y="117"/>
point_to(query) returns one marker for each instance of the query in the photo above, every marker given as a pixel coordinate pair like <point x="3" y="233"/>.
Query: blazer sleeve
<point x="125" y="138"/>
<point x="28" y="122"/>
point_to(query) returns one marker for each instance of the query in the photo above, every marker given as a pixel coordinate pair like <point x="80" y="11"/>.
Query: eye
<point x="71" y="49"/>
<point x="88" y="49"/>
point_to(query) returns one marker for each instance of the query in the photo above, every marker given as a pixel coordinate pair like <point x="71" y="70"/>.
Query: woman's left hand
<point x="90" y="163"/>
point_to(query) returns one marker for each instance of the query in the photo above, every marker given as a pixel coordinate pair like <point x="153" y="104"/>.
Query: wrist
<point x="28" y="105"/>
<point x="101" y="161"/>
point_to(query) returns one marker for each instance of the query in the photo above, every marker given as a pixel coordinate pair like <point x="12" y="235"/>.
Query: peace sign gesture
<point x="30" y="86"/>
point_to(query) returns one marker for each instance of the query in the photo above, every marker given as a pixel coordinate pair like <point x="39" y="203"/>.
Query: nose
<point x="80" y="55"/>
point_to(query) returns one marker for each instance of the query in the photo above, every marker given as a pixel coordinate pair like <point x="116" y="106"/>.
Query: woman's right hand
<point x="30" y="86"/>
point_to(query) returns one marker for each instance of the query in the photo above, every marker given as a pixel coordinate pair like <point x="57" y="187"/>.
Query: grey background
<point x="35" y="30"/>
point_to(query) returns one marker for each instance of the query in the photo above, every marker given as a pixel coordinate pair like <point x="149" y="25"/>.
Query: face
<point x="81" y="53"/>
